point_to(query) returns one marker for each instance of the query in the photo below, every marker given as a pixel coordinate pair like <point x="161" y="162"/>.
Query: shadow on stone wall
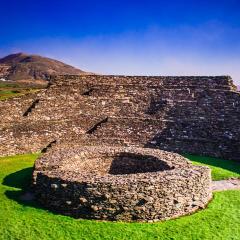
<point x="198" y="129"/>
<point x="156" y="105"/>
<point x="130" y="163"/>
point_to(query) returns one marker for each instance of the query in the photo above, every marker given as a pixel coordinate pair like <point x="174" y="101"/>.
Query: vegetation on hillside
<point x="9" y="90"/>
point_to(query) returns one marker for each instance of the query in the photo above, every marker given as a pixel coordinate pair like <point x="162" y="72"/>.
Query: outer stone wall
<point x="120" y="183"/>
<point x="198" y="115"/>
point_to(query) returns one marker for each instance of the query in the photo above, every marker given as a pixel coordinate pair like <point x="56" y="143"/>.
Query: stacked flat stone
<point x="120" y="183"/>
<point x="198" y="115"/>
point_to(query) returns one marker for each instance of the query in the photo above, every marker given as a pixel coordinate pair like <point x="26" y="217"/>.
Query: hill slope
<point x="22" y="66"/>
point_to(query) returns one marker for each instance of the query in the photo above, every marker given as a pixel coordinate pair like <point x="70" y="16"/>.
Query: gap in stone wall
<point x="96" y="126"/>
<point x="131" y="163"/>
<point x="49" y="85"/>
<point x="88" y="92"/>
<point x="29" y="110"/>
<point x="155" y="106"/>
<point x="44" y="150"/>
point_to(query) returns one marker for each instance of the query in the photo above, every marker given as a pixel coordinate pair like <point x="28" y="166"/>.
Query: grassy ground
<point x="9" y="90"/>
<point x="221" y="169"/>
<point x="21" y="220"/>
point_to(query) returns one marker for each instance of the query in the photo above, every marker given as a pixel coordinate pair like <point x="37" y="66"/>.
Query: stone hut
<point x="120" y="183"/>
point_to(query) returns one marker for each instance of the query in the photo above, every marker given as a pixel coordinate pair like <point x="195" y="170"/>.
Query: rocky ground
<point x="229" y="184"/>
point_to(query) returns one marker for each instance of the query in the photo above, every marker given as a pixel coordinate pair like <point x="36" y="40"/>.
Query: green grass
<point x="221" y="169"/>
<point x="21" y="220"/>
<point x="5" y="94"/>
<point x="8" y="85"/>
<point x="9" y="90"/>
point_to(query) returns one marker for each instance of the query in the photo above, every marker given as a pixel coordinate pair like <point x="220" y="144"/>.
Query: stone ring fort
<point x="111" y="143"/>
<point x="121" y="183"/>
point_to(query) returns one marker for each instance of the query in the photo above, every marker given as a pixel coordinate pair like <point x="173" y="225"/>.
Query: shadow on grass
<point x="21" y="180"/>
<point x="229" y="165"/>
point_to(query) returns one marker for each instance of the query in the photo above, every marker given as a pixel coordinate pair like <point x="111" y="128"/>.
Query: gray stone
<point x="121" y="183"/>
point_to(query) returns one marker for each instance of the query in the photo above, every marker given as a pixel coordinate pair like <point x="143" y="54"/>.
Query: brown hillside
<point x="22" y="66"/>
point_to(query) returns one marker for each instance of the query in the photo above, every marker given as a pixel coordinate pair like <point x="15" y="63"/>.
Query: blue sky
<point x="128" y="37"/>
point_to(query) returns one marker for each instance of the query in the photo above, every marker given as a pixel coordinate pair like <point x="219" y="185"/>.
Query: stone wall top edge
<point x="159" y="176"/>
<point x="221" y="81"/>
<point x="145" y="76"/>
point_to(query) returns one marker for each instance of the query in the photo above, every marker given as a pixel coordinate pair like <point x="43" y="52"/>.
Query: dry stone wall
<point x="4" y="70"/>
<point x="198" y="115"/>
<point x="120" y="183"/>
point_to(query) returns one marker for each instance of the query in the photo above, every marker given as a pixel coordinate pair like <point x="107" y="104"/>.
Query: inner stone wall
<point x="198" y="115"/>
<point x="120" y="183"/>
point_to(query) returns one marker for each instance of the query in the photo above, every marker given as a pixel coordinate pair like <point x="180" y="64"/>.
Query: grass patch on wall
<point x="9" y="90"/>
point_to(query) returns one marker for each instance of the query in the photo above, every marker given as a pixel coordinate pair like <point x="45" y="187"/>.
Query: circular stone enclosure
<point x="120" y="183"/>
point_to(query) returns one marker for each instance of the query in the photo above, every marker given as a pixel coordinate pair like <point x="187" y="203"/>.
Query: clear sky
<point x="144" y="37"/>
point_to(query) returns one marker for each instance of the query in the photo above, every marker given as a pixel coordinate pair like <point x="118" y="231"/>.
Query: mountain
<point x="26" y="67"/>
